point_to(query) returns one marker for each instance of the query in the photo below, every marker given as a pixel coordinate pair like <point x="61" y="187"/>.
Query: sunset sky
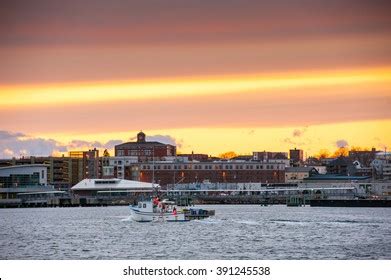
<point x="208" y="76"/>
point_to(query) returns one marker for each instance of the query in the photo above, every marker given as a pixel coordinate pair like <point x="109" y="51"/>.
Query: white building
<point x="92" y="187"/>
<point x="21" y="179"/>
<point x="382" y="165"/>
<point x="119" y="163"/>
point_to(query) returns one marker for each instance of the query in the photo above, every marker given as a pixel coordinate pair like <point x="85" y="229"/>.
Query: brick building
<point x="296" y="157"/>
<point x="166" y="173"/>
<point x="145" y="150"/>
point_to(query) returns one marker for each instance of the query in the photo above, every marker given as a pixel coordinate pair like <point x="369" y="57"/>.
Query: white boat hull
<point x="140" y="216"/>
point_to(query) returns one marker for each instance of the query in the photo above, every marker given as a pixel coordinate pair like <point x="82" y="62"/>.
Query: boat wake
<point x="208" y="221"/>
<point x="248" y="222"/>
<point x="127" y="219"/>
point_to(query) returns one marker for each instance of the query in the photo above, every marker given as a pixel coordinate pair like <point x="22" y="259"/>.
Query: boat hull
<point x="140" y="216"/>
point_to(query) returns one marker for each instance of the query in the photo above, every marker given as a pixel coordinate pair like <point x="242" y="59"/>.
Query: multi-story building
<point x="90" y="162"/>
<point x="145" y="150"/>
<point x="296" y="156"/>
<point x="168" y="173"/>
<point x="64" y="172"/>
<point x="114" y="167"/>
<point x="19" y="179"/>
<point x="59" y="169"/>
<point x="382" y="165"/>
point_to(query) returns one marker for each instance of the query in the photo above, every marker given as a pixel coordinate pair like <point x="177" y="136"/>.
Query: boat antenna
<point x="153" y="170"/>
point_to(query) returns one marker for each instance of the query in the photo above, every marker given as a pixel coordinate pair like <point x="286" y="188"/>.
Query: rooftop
<point x="112" y="184"/>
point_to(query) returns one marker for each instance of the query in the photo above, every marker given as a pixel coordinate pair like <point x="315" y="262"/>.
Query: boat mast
<point x="153" y="167"/>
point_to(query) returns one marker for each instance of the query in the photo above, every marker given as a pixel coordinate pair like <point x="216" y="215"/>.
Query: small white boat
<point x="166" y="211"/>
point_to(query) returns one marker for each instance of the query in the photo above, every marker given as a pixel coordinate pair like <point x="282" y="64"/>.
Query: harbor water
<point x="236" y="232"/>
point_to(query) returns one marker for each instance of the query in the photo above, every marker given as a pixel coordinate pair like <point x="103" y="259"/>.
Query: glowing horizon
<point x="170" y="88"/>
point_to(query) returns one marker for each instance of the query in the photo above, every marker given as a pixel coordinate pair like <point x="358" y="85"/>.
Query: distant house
<point x="364" y="157"/>
<point x="340" y="166"/>
<point x="298" y="174"/>
<point x="382" y="165"/>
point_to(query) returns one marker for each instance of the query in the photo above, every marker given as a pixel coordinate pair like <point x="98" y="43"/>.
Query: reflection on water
<point x="236" y="232"/>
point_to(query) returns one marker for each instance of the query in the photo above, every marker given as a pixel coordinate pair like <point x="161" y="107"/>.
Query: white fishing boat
<point x="164" y="211"/>
<point x="155" y="210"/>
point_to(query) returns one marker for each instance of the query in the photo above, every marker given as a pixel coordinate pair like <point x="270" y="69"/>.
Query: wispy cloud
<point x="299" y="132"/>
<point x="16" y="144"/>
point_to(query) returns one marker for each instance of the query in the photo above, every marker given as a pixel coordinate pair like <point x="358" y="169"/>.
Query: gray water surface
<point x="236" y="232"/>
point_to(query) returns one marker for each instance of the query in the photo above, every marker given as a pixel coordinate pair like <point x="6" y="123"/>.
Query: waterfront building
<point x="64" y="172"/>
<point x="112" y="187"/>
<point x="20" y="179"/>
<point x="181" y="170"/>
<point x="145" y="150"/>
<point x="166" y="173"/>
<point x="329" y="187"/>
<point x="61" y="171"/>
